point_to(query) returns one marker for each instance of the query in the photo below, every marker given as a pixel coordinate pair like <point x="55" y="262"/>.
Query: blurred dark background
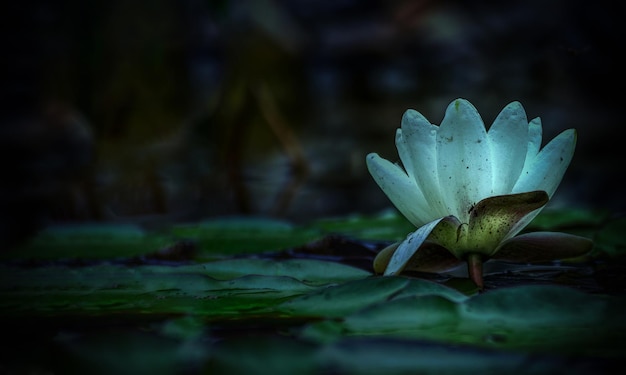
<point x="179" y="110"/>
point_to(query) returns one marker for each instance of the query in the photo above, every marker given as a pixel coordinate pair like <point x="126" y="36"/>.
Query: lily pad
<point x="89" y="241"/>
<point x="310" y="271"/>
<point x="388" y="226"/>
<point x="344" y="299"/>
<point x="610" y="241"/>
<point x="385" y="355"/>
<point x="529" y="318"/>
<point x="58" y="290"/>
<point x="567" y="218"/>
<point x="242" y="235"/>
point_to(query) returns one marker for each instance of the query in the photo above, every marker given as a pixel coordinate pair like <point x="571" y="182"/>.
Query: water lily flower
<point x="470" y="191"/>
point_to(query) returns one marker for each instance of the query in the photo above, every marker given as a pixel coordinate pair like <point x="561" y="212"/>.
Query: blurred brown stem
<point x="289" y="142"/>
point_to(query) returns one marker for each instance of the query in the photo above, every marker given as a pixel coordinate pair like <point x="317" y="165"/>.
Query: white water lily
<point x="471" y="191"/>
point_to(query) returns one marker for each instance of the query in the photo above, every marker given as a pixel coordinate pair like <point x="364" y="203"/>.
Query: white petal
<point x="535" y="133"/>
<point x="404" y="151"/>
<point x="421" y="137"/>
<point x="400" y="188"/>
<point x="534" y="139"/>
<point x="508" y="138"/>
<point x="546" y="170"/>
<point x="463" y="156"/>
<point x="408" y="247"/>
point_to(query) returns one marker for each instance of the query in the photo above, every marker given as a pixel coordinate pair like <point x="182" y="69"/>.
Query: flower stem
<point x="475" y="269"/>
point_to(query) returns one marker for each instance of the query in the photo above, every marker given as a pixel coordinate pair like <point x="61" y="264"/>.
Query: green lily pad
<point x="385" y="355"/>
<point x="531" y="318"/>
<point x="241" y="235"/>
<point x="310" y="271"/>
<point x="567" y="219"/>
<point x="103" y="289"/>
<point x="610" y="240"/>
<point x="260" y="355"/>
<point x="344" y="299"/>
<point x="100" y="353"/>
<point x="387" y="226"/>
<point x="211" y="288"/>
<point x="89" y="241"/>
